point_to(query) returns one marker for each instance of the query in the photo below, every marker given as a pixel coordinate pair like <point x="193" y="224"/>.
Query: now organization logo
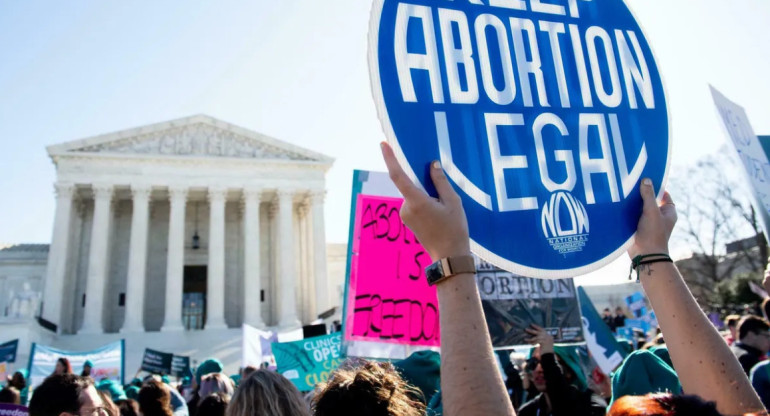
<point x="565" y="223"/>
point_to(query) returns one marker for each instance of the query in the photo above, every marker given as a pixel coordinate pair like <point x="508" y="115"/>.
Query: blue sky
<point x="295" y="70"/>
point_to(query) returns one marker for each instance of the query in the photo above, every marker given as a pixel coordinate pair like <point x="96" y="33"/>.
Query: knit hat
<point x="642" y="372"/>
<point x="569" y="355"/>
<point x="662" y="352"/>
<point x="422" y="369"/>
<point x="132" y="392"/>
<point x="88" y="363"/>
<point x="112" y="388"/>
<point x="236" y="378"/>
<point x="212" y="365"/>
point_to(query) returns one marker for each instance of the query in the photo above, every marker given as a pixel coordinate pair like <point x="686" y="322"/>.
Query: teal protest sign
<point x="309" y="361"/>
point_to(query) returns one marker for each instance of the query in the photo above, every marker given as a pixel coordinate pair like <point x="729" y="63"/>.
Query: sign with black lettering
<point x="545" y="115"/>
<point x="512" y="303"/>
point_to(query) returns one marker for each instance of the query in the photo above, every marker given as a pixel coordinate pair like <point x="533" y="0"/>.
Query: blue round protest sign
<point x="545" y="114"/>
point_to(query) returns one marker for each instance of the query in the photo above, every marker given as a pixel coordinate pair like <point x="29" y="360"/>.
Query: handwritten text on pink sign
<point x="389" y="299"/>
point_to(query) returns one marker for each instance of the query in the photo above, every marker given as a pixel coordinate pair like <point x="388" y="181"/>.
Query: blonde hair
<point x="216" y="383"/>
<point x="267" y="393"/>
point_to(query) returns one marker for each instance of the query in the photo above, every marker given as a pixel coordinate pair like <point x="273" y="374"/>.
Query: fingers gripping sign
<point x="440" y="225"/>
<point x="656" y="223"/>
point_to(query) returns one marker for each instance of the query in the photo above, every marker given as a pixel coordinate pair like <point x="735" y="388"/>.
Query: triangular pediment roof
<point x="199" y="135"/>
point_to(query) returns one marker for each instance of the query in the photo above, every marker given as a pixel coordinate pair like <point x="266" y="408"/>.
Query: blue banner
<point x="109" y="362"/>
<point x="310" y="361"/>
<point x="8" y="351"/>
<point x="602" y="345"/>
<point x="637" y="304"/>
<point x="545" y="117"/>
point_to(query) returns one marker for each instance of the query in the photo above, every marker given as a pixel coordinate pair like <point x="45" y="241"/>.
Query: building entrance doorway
<point x="194" y="297"/>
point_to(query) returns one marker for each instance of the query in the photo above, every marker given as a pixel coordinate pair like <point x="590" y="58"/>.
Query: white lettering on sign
<point x="610" y="65"/>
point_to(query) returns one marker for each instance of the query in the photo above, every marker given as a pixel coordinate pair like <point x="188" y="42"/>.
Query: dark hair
<point x="128" y="407"/>
<point x="10" y="395"/>
<point x="66" y="363"/>
<point x="367" y="388"/>
<point x="18" y="381"/>
<point x="58" y="393"/>
<point x="154" y="399"/>
<point x="214" y="404"/>
<point x="751" y="323"/>
<point x="732" y="320"/>
<point x="266" y="392"/>
<point x="247" y="371"/>
<point x="663" y="404"/>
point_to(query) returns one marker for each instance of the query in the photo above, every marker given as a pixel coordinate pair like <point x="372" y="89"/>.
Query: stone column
<point x="175" y="262"/>
<point x="286" y="274"/>
<point x="252" y="285"/>
<point x="215" y="298"/>
<point x="57" y="254"/>
<point x="307" y="297"/>
<point x="98" y="256"/>
<point x="137" y="260"/>
<point x="319" y="252"/>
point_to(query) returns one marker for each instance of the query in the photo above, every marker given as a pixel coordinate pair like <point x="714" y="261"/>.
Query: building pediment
<point x="201" y="136"/>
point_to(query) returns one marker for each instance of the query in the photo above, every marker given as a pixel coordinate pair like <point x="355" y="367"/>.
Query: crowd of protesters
<point x="689" y="369"/>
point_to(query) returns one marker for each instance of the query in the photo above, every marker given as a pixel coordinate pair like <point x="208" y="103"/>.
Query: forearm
<point x="703" y="361"/>
<point x="470" y="381"/>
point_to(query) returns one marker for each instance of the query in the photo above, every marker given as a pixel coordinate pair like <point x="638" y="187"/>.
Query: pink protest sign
<point x="389" y="299"/>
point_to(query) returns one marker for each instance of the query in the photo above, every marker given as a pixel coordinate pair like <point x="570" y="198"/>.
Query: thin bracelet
<point x="640" y="260"/>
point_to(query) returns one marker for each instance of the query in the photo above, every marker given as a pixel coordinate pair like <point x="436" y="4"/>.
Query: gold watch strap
<point x="452" y="266"/>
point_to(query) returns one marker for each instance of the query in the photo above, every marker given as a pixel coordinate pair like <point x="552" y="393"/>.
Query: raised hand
<point x="656" y="223"/>
<point x="439" y="224"/>
<point x="540" y="337"/>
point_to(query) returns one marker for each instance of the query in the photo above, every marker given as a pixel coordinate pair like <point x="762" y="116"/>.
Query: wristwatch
<point x="448" y="267"/>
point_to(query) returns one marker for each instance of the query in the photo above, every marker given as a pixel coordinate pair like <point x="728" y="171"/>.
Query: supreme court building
<point x="189" y="224"/>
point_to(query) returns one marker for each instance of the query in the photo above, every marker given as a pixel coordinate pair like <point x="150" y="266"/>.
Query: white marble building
<point x="188" y="224"/>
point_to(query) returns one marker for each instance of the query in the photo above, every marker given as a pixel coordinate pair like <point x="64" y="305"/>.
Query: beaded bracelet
<point x="640" y="260"/>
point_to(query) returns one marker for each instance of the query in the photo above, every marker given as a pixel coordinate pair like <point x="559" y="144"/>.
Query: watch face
<point x="434" y="272"/>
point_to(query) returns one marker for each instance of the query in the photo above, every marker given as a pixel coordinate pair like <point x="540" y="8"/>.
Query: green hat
<point x="569" y="355"/>
<point x="112" y="388"/>
<point x="642" y="372"/>
<point x="136" y="381"/>
<point x="422" y="369"/>
<point x="236" y="379"/>
<point x="662" y="352"/>
<point x="132" y="392"/>
<point x="212" y="365"/>
<point x="88" y="363"/>
<point x="164" y="378"/>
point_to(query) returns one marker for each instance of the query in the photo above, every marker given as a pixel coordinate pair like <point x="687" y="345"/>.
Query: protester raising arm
<point x="470" y="381"/>
<point x="703" y="361"/>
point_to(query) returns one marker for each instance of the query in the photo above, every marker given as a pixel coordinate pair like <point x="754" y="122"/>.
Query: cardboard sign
<point x="8" y="351"/>
<point x="109" y="361"/>
<point x="388" y="299"/>
<point x="512" y="303"/>
<point x="310" y="361"/>
<point x="602" y="345"/>
<point x="750" y="152"/>
<point x="545" y="116"/>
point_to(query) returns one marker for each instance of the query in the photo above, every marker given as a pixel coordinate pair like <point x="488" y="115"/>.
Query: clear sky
<point x="295" y="70"/>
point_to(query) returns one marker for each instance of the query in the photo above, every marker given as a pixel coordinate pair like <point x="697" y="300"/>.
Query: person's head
<point x="212" y="365"/>
<point x="66" y="394"/>
<point x="367" y="387"/>
<point x="754" y="332"/>
<point x="63" y="366"/>
<point x="128" y="407"/>
<point x="214" y="405"/>
<point x="216" y="383"/>
<point x="19" y="380"/>
<point x="265" y="392"/>
<point x="155" y="399"/>
<point x="108" y="403"/>
<point x="535" y="371"/>
<point x="606" y="312"/>
<point x="10" y="395"/>
<point x="619" y="311"/>
<point x="113" y="389"/>
<point x="662" y="404"/>
<point x="87" y="366"/>
<point x="731" y="322"/>
<point x="247" y="371"/>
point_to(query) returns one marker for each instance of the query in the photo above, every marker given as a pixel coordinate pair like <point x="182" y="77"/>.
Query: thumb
<point x="648" y="195"/>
